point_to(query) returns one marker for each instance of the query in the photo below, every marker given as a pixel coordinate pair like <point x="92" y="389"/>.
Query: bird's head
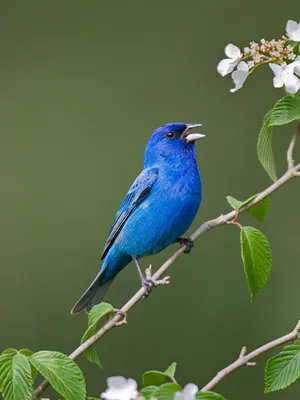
<point x="172" y="142"/>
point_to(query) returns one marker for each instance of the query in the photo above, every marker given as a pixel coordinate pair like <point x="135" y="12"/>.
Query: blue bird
<point x="159" y="207"/>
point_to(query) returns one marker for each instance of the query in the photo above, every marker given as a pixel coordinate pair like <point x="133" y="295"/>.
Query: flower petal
<point x="297" y="70"/>
<point x="225" y="67"/>
<point x="293" y="30"/>
<point x="233" y="51"/>
<point x="243" y="66"/>
<point x="239" y="76"/>
<point x="292" y="84"/>
<point x="190" y="391"/>
<point x="179" y="396"/>
<point x="275" y="68"/>
<point x="116" y="382"/>
<point x="291" y="26"/>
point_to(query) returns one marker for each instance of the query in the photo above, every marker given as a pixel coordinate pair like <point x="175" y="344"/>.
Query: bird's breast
<point x="163" y="216"/>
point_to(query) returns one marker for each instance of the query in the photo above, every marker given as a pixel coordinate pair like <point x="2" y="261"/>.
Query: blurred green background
<point x="83" y="85"/>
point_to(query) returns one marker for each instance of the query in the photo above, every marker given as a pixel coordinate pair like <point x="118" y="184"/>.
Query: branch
<point x="205" y="227"/>
<point x="244" y="359"/>
<point x="290" y="160"/>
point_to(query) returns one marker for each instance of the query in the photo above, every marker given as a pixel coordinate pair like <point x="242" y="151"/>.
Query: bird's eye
<point x="170" y="135"/>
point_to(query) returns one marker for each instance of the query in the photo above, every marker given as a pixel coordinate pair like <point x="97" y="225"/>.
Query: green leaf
<point x="171" y="370"/>
<point x="258" y="211"/>
<point x="264" y="148"/>
<point x="257" y="258"/>
<point x="92" y="398"/>
<point x="285" y="111"/>
<point x="15" y="376"/>
<point x="9" y="351"/>
<point x="94" y="316"/>
<point x="63" y="374"/>
<point x="209" y="396"/>
<point x="153" y="378"/>
<point x="283" y="369"/>
<point x="147" y="392"/>
<point x="237" y="204"/>
<point x="28" y="353"/>
<point x="167" y="391"/>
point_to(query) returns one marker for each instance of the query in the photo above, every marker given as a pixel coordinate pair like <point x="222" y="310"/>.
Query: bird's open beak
<point x="191" y="137"/>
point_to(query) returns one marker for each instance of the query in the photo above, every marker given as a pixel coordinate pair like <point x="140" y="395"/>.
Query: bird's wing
<point x="137" y="193"/>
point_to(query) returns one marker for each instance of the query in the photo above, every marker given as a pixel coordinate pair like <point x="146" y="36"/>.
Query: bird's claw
<point x="123" y="314"/>
<point x="149" y="281"/>
<point x="187" y="242"/>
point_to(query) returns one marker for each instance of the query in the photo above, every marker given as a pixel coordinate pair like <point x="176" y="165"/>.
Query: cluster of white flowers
<point x="282" y="56"/>
<point x="120" y="388"/>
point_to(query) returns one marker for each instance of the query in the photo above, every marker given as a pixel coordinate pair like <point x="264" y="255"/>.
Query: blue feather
<point x="159" y="207"/>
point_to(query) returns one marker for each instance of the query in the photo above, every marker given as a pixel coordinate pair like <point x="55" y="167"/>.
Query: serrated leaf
<point x="10" y="351"/>
<point x="153" y="378"/>
<point x="264" y="148"/>
<point x="285" y="111"/>
<point x="258" y="211"/>
<point x="63" y="374"/>
<point x="94" y="316"/>
<point x="15" y="376"/>
<point x="28" y="353"/>
<point x="171" y="370"/>
<point x="209" y="396"/>
<point x="283" y="369"/>
<point x="147" y="392"/>
<point x="257" y="258"/>
<point x="167" y="391"/>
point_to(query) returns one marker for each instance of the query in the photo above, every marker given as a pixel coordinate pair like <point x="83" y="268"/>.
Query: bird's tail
<point x="93" y="295"/>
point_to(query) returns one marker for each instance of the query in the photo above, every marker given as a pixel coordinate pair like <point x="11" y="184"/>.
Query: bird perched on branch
<point x="159" y="207"/>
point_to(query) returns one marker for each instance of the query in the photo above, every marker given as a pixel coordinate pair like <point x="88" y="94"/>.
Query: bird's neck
<point x="174" y="165"/>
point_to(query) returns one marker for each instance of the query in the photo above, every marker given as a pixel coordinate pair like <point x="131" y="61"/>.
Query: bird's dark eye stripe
<point x="170" y="135"/>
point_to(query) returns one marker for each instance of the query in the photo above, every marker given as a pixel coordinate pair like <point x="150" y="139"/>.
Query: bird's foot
<point x="123" y="314"/>
<point x="149" y="281"/>
<point x="187" y="242"/>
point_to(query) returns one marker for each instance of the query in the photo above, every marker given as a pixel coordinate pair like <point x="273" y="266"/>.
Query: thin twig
<point x="244" y="359"/>
<point x="290" y="151"/>
<point x="206" y="226"/>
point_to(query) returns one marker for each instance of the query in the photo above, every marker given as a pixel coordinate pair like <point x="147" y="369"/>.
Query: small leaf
<point x="264" y="148"/>
<point x="209" y="396"/>
<point x="258" y="211"/>
<point x="147" y="392"/>
<point x="15" y="376"/>
<point x="237" y="204"/>
<point x="285" y="111"/>
<point x="153" y="378"/>
<point x="94" y="316"/>
<point x="257" y="258"/>
<point x="171" y="370"/>
<point x="283" y="369"/>
<point x="63" y="373"/>
<point x="167" y="391"/>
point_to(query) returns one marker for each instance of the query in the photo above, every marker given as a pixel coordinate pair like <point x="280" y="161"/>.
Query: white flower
<point x="293" y="30"/>
<point x="285" y="76"/>
<point x="239" y="76"/>
<point x="228" y="64"/>
<point x="188" y="392"/>
<point x="120" y="388"/>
